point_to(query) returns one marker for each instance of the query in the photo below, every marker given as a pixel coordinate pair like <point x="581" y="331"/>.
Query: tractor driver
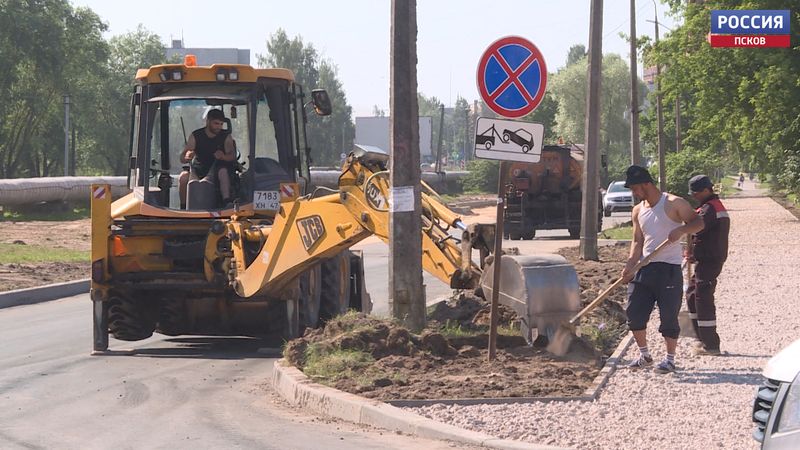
<point x="212" y="153"/>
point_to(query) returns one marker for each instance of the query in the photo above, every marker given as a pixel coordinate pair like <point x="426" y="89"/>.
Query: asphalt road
<point x="187" y="392"/>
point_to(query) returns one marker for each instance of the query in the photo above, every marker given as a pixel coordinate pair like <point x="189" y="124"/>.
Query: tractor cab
<point x="263" y="113"/>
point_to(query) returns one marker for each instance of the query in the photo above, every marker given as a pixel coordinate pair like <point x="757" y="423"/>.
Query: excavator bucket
<point x="542" y="289"/>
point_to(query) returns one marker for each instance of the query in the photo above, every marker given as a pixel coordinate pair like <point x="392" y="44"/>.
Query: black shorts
<point x="201" y="170"/>
<point x="656" y="283"/>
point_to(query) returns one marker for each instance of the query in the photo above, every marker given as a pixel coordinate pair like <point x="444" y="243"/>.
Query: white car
<point x="776" y="409"/>
<point x="617" y="198"/>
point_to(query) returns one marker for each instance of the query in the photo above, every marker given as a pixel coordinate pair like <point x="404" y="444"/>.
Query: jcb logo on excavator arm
<point x="311" y="230"/>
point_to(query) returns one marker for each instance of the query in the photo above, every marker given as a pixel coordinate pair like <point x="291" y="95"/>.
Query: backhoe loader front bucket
<point x="542" y="289"/>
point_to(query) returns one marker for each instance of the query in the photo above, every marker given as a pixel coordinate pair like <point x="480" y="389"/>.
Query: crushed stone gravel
<point x="707" y="403"/>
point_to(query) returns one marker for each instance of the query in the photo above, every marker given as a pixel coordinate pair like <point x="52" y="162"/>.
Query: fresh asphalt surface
<point x="199" y="392"/>
<point x="187" y="392"/>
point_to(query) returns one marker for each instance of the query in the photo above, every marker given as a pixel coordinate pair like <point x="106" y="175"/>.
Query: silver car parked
<point x="617" y="198"/>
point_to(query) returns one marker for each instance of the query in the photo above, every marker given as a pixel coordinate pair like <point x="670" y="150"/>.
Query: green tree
<point x="569" y="91"/>
<point x="47" y="48"/>
<point x="104" y="144"/>
<point x="327" y="136"/>
<point x="738" y="104"/>
<point x="576" y="53"/>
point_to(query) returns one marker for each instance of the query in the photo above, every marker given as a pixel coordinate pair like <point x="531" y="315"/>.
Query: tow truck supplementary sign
<point x="512" y="76"/>
<point x="508" y="140"/>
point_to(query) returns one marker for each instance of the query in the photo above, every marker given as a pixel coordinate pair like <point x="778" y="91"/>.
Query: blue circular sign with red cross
<point x="512" y="76"/>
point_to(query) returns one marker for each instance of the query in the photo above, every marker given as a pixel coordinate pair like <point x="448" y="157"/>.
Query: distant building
<point x="209" y="56"/>
<point x="374" y="131"/>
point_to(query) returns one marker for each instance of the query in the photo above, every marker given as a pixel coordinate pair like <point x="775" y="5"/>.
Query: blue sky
<point x="354" y="34"/>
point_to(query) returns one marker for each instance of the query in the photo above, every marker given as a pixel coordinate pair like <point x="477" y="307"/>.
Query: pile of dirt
<point x="380" y="359"/>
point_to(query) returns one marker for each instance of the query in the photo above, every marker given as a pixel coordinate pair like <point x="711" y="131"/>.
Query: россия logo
<point x="750" y="28"/>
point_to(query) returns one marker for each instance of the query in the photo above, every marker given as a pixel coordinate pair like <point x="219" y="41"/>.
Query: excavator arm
<point x="264" y="258"/>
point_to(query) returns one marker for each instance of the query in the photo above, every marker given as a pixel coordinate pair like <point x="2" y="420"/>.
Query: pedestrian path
<point x="708" y="402"/>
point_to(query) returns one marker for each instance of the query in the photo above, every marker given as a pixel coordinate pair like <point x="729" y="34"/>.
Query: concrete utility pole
<point x="66" y="135"/>
<point x="636" y="155"/>
<point x="662" y="166"/>
<point x="439" y="141"/>
<point x="406" y="295"/>
<point x="592" y="150"/>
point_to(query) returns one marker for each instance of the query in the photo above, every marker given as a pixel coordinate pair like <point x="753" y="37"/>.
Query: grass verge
<point x="621" y="232"/>
<point x="50" y="215"/>
<point x="20" y="253"/>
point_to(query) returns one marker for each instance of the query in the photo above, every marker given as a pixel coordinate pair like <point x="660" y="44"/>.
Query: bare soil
<point x="75" y="235"/>
<point x="433" y="366"/>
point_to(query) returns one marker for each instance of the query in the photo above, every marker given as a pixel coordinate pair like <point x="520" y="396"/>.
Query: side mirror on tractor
<point x="322" y="102"/>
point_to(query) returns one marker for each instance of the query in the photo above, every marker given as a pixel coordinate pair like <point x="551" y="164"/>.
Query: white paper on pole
<point x="402" y="199"/>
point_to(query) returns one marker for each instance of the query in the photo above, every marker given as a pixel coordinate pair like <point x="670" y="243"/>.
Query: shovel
<point x="559" y="344"/>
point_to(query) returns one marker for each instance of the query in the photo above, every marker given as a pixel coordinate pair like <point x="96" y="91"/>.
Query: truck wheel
<point x="488" y="145"/>
<point x="310" y="298"/>
<point x="131" y="319"/>
<point x="335" y="292"/>
<point x="172" y="317"/>
<point x="574" y="233"/>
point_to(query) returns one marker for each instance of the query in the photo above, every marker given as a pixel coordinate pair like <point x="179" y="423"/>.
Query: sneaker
<point x="665" y="367"/>
<point x="702" y="351"/>
<point x="641" y="362"/>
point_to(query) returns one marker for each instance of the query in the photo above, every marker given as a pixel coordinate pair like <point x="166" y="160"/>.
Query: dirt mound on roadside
<point x="380" y="359"/>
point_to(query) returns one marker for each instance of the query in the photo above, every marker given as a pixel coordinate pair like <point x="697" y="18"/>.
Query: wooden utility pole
<point x="678" y="123"/>
<point x="636" y="155"/>
<point x="662" y="165"/>
<point x="591" y="154"/>
<point x="406" y="295"/>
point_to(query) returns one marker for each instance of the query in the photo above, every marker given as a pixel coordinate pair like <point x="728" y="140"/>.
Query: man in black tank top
<point x="209" y="148"/>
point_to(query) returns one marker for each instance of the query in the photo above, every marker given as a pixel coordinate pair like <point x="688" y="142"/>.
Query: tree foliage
<point x="328" y="136"/>
<point x="568" y="88"/>
<point x="50" y="49"/>
<point x="737" y="104"/>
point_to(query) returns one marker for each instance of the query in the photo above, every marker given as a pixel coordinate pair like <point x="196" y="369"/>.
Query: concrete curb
<point x="40" y="294"/>
<point x="299" y="390"/>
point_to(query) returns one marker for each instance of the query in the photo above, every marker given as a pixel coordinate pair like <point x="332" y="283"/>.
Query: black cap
<point x="700" y="182"/>
<point x="637" y="175"/>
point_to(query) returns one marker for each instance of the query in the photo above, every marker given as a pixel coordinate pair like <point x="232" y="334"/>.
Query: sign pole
<point x="498" y="253"/>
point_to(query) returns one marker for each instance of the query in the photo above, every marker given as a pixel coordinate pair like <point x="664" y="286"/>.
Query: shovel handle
<point x="602" y="296"/>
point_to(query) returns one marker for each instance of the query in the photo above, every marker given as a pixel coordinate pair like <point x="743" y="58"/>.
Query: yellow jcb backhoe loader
<point x="278" y="258"/>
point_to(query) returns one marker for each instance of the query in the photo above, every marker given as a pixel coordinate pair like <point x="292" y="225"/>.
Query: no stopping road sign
<point x="512" y="76"/>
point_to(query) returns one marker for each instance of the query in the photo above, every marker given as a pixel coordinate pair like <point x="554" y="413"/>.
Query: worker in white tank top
<point x="656" y="226"/>
<point x="659" y="217"/>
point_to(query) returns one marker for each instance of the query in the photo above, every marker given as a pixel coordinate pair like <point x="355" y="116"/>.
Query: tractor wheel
<point x="172" y="317"/>
<point x="131" y="319"/>
<point x="335" y="292"/>
<point x="310" y="297"/>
